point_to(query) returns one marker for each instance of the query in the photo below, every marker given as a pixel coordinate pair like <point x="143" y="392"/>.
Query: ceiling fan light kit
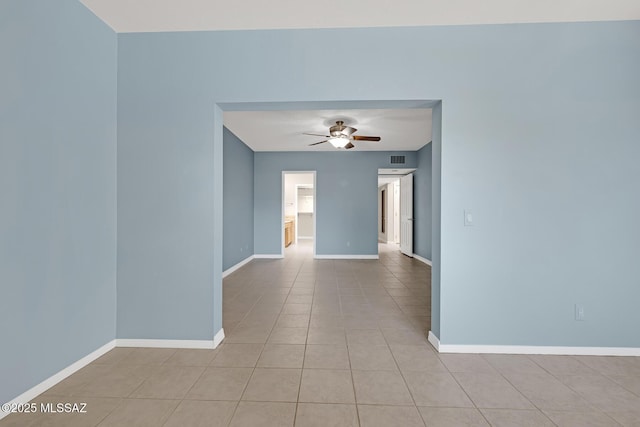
<point x="341" y="136"/>
<point x="339" y="141"/>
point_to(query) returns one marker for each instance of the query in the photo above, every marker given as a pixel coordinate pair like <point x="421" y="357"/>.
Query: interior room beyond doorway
<point x="298" y="211"/>
<point x="391" y="200"/>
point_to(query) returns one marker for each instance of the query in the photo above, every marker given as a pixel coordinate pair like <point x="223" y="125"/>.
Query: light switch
<point x="468" y="218"/>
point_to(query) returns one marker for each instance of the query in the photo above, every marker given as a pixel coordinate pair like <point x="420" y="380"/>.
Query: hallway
<point x="392" y="293"/>
<point x="328" y="332"/>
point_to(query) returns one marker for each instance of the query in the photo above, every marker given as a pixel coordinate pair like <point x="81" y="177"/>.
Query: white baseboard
<point x="74" y="367"/>
<point x="56" y="378"/>
<point x="535" y="349"/>
<point x="433" y="339"/>
<point x="421" y="259"/>
<point x="230" y="270"/>
<point x="217" y="338"/>
<point x="151" y="343"/>
<point x="532" y="349"/>
<point x="124" y="342"/>
<point x="268" y="256"/>
<point x="346" y="257"/>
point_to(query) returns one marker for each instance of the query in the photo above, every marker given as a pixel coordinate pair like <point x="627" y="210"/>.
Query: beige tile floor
<point x="339" y="343"/>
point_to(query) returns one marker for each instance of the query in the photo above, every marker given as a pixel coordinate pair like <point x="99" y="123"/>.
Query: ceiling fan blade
<point x="366" y="138"/>
<point x="349" y="145"/>
<point x="316" y="143"/>
<point x="317" y="134"/>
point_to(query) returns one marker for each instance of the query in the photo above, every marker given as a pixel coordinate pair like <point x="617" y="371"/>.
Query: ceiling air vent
<point x="397" y="160"/>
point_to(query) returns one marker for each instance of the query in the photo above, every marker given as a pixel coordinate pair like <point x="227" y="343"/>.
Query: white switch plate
<point x="468" y="218"/>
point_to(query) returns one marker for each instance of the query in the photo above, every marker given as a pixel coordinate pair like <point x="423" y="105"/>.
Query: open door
<point x="406" y="214"/>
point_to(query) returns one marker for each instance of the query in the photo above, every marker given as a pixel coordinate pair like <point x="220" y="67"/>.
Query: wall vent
<point x="397" y="160"/>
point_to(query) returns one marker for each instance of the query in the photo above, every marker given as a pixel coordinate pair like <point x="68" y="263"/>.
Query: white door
<point x="396" y="212"/>
<point x="389" y="213"/>
<point x="406" y="214"/>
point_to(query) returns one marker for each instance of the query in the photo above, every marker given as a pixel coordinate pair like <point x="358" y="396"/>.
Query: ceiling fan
<point x="341" y="136"/>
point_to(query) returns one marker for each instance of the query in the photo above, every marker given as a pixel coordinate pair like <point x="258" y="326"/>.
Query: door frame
<point x="410" y="219"/>
<point x="283" y="207"/>
<point x="397" y="176"/>
<point x="306" y="104"/>
<point x="383" y="220"/>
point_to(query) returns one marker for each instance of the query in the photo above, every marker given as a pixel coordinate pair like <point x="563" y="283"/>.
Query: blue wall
<point x="539" y="139"/>
<point x="422" y="205"/>
<point x="238" y="201"/>
<point x="57" y="189"/>
<point x="167" y="228"/>
<point x="346" y="198"/>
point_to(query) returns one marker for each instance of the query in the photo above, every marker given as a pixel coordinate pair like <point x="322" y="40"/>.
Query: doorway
<point x="268" y="224"/>
<point x="395" y="209"/>
<point x="387" y="213"/>
<point x="298" y="211"/>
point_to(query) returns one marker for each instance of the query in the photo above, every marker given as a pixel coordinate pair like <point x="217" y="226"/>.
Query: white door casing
<point x="382" y="235"/>
<point x="406" y="214"/>
<point x="390" y="213"/>
<point x="396" y="212"/>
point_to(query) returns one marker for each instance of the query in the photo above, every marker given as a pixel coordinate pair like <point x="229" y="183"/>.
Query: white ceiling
<point x="126" y="16"/>
<point x="400" y="129"/>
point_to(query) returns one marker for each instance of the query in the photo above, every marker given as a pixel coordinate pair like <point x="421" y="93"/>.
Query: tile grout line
<point x="539" y="409"/>
<point x="353" y="381"/>
<point x="404" y="380"/>
<point x="295" y="413"/>
<point x="597" y="409"/>
<point x="244" y="389"/>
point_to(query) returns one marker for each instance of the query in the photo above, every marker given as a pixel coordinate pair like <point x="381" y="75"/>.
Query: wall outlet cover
<point x="468" y="218"/>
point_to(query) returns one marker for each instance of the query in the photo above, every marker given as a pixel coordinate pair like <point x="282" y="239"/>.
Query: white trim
<point x="230" y="270"/>
<point x="305" y="237"/>
<point x="433" y="339"/>
<point x="421" y="259"/>
<point x="217" y="338"/>
<point x="165" y="343"/>
<point x="346" y="257"/>
<point x="532" y="349"/>
<point x="552" y="350"/>
<point x="56" y="378"/>
<point x="268" y="256"/>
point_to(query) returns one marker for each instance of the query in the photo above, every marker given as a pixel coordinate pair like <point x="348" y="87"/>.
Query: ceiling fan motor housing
<point x="339" y="129"/>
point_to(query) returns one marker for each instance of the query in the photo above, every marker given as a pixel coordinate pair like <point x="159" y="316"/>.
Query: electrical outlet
<point x="579" y="312"/>
<point x="468" y="218"/>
